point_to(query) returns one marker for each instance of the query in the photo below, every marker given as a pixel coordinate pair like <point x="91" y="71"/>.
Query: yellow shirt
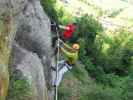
<point x="71" y="57"/>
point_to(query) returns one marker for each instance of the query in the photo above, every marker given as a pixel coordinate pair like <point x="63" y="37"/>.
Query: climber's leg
<point x="63" y="67"/>
<point x="60" y="65"/>
<point x="60" y="75"/>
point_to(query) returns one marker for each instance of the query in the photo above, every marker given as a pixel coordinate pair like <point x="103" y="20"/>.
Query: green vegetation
<point x="105" y="67"/>
<point x="19" y="88"/>
<point x="115" y="12"/>
<point x="49" y="7"/>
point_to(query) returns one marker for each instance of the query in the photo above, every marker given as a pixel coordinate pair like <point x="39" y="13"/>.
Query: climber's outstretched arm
<point x="64" y="27"/>
<point x="67" y="46"/>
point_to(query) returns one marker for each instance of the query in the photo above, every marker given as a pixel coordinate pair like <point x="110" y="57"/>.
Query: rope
<point x="58" y="55"/>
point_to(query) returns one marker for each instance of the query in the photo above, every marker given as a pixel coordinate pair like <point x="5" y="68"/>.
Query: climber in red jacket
<point x="68" y="31"/>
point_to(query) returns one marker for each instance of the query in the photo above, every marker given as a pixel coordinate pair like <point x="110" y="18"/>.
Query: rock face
<point x="31" y="49"/>
<point x="30" y="66"/>
<point x="33" y="32"/>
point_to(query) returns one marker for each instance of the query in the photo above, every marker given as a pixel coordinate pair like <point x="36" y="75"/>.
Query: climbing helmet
<point x="76" y="46"/>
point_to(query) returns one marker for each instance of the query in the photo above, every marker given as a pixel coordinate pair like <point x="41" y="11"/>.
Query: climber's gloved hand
<point x="61" y="42"/>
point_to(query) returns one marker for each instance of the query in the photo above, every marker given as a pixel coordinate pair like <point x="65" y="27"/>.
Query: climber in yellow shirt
<point x="70" y="55"/>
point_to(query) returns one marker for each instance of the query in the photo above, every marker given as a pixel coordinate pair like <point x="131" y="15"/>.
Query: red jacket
<point x="68" y="31"/>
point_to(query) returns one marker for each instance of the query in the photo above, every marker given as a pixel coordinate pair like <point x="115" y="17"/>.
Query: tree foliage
<point x="49" y="7"/>
<point x="107" y="60"/>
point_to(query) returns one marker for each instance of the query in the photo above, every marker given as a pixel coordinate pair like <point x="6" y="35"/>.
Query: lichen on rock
<point x="6" y="34"/>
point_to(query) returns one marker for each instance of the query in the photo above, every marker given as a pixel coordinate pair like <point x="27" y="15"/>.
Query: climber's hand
<point x="61" y="42"/>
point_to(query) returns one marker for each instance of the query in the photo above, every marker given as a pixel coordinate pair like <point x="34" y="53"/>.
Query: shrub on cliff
<point x="19" y="88"/>
<point x="49" y="7"/>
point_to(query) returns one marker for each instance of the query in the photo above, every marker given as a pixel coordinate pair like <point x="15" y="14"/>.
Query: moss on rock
<point x="6" y="32"/>
<point x="19" y="88"/>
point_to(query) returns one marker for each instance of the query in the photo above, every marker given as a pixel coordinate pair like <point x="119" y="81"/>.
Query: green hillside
<point x="104" y="70"/>
<point x="117" y="12"/>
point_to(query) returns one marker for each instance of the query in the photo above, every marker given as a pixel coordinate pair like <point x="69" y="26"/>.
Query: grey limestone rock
<point x="32" y="51"/>
<point x="30" y="66"/>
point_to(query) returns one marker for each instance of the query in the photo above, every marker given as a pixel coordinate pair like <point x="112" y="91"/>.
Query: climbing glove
<point x="61" y="42"/>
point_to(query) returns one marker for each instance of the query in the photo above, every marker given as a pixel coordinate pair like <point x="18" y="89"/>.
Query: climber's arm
<point x="70" y="57"/>
<point x="65" y="52"/>
<point x="67" y="46"/>
<point x="64" y="27"/>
